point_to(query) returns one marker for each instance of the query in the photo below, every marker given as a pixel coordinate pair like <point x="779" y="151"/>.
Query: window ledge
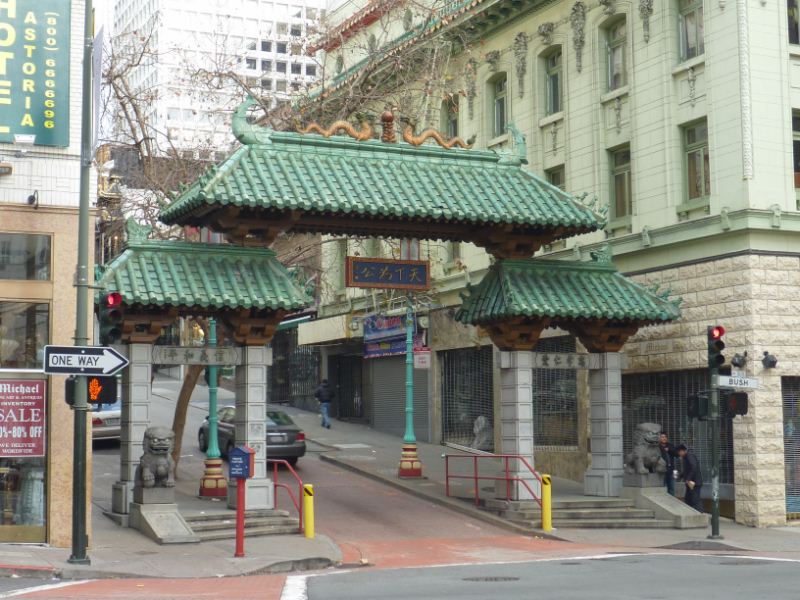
<point x="551" y="119"/>
<point x="496" y="141"/>
<point x="794" y="50"/>
<point x="696" y="204"/>
<point x="689" y="64"/>
<point x="614" y="94"/>
<point x="618" y="223"/>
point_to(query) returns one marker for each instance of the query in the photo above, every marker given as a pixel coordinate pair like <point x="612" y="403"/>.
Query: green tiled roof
<point x="372" y="179"/>
<point x="213" y="276"/>
<point x="562" y="290"/>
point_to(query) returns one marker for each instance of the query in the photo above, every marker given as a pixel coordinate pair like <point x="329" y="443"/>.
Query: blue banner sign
<point x="392" y="347"/>
<point x="387" y="274"/>
<point x="377" y="328"/>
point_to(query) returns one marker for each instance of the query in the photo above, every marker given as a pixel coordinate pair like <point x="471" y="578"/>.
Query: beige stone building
<point x="39" y="179"/>
<point x="681" y="120"/>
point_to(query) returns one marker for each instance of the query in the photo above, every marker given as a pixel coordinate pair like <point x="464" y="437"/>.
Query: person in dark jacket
<point x="668" y="453"/>
<point x="325" y="396"/>
<point x="692" y="477"/>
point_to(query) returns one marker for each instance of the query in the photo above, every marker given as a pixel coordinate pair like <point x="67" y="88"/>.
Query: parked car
<point x="106" y="421"/>
<point x="285" y="440"/>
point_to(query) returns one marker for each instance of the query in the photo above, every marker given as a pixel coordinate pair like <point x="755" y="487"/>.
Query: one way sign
<point x="82" y="360"/>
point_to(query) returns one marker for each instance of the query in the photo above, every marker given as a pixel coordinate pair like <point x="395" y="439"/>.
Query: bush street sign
<point x="82" y="360"/>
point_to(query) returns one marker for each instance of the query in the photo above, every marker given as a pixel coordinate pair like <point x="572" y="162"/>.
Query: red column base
<point x="410" y="465"/>
<point x="213" y="484"/>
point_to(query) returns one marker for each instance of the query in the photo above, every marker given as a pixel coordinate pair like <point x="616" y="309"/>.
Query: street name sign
<point x="83" y="360"/>
<point x="727" y="381"/>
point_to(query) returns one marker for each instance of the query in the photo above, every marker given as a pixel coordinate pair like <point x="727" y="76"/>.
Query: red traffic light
<point x="716" y="332"/>
<point x="113" y="299"/>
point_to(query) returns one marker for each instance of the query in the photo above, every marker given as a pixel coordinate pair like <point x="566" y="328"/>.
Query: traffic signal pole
<point x="714" y="417"/>
<point x="79" y="537"/>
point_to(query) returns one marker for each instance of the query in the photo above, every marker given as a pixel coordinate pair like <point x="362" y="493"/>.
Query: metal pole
<point x="213" y="435"/>
<point x="79" y="537"/>
<point x="410" y="465"/>
<point x="409" y="437"/>
<point x="713" y="416"/>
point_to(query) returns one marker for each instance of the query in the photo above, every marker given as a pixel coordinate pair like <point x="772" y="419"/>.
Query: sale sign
<point x="22" y="418"/>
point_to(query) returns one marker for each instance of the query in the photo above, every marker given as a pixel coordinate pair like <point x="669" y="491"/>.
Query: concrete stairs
<point x="589" y="513"/>
<point x="222" y="525"/>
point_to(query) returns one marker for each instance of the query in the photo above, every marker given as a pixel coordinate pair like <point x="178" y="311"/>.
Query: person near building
<point x="692" y="476"/>
<point x="325" y="396"/>
<point x="668" y="453"/>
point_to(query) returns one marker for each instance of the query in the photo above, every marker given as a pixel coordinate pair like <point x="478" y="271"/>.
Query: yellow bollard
<point x="547" y="514"/>
<point x="308" y="510"/>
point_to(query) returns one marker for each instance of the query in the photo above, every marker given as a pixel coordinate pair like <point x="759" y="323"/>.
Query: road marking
<point x="295" y="588"/>
<point x="42" y="588"/>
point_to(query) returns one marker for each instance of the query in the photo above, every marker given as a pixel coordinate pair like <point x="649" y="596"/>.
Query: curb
<point x="452" y="504"/>
<point x="28" y="571"/>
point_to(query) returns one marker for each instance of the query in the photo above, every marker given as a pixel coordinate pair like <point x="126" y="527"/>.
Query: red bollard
<point x="240" y="482"/>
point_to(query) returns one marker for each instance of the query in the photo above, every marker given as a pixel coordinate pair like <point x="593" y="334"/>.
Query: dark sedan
<point x="285" y="440"/>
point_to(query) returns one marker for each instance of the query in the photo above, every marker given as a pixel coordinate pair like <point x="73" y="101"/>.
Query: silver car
<point x="285" y="440"/>
<point x="106" y="421"/>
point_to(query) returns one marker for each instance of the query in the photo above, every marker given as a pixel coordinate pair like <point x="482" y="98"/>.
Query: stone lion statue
<point x="156" y="467"/>
<point x="646" y="455"/>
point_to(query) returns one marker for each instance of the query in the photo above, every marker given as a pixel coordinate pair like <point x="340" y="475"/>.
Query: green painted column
<point x="409" y="436"/>
<point x="213" y="430"/>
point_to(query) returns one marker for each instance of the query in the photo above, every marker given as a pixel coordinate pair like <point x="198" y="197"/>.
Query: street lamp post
<point x="213" y="484"/>
<point x="410" y="465"/>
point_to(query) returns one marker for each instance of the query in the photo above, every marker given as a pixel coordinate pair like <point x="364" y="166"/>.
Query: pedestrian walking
<point x="693" y="478"/>
<point x="669" y="453"/>
<point x="325" y="396"/>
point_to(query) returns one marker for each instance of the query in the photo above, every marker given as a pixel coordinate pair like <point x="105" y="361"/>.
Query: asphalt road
<point x="634" y="577"/>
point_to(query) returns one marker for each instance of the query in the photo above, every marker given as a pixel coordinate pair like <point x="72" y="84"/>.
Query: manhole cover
<point x="490" y="579"/>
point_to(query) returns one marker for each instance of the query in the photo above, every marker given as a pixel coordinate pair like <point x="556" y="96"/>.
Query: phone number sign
<point x="22" y="418"/>
<point x="34" y="71"/>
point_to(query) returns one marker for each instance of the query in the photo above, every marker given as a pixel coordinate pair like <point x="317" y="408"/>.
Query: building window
<point x="266" y="84"/>
<point x="615" y="40"/>
<point x="280" y="85"/>
<point x="296" y="31"/>
<point x="621" y="182"/>
<point x="24" y="332"/>
<point x="297" y="49"/>
<point x="311" y="70"/>
<point x="499" y="104"/>
<point x="281" y="47"/>
<point x="556" y="176"/>
<point x="691" y="28"/>
<point x="295" y="87"/>
<point x="282" y="28"/>
<point x="311" y="13"/>
<point x="24" y="256"/>
<point x="266" y="46"/>
<point x="796" y="147"/>
<point x="297" y="69"/>
<point x="698" y="171"/>
<point x="450" y="116"/>
<point x="552" y="82"/>
<point x="252" y="63"/>
<point x="280" y="66"/>
<point x="794" y="22"/>
<point x="266" y="66"/>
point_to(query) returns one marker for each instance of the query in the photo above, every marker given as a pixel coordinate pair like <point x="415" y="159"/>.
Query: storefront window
<point x="24" y="330"/>
<point x="24" y="256"/>
<point x="22" y="460"/>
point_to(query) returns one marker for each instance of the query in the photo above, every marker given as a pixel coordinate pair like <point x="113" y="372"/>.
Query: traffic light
<point x="110" y="317"/>
<point x="697" y="406"/>
<point x="736" y="404"/>
<point x="715" y="346"/>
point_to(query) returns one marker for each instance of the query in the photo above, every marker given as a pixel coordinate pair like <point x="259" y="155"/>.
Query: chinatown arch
<point x="359" y="183"/>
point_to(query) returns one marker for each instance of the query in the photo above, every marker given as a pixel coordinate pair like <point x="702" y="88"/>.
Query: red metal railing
<point x="506" y="476"/>
<point x="296" y="500"/>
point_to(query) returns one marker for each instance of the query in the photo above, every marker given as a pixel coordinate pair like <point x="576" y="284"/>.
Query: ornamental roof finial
<point x="387" y="121"/>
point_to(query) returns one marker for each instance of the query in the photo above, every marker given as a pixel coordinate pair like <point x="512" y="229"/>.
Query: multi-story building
<point x="40" y="146"/>
<point x="200" y="57"/>
<point x="680" y="119"/>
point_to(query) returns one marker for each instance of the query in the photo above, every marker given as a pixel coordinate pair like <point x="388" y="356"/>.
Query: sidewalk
<point x="374" y="454"/>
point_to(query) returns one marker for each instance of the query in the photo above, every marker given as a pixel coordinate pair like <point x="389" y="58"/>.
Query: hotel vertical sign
<point x="34" y="71"/>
